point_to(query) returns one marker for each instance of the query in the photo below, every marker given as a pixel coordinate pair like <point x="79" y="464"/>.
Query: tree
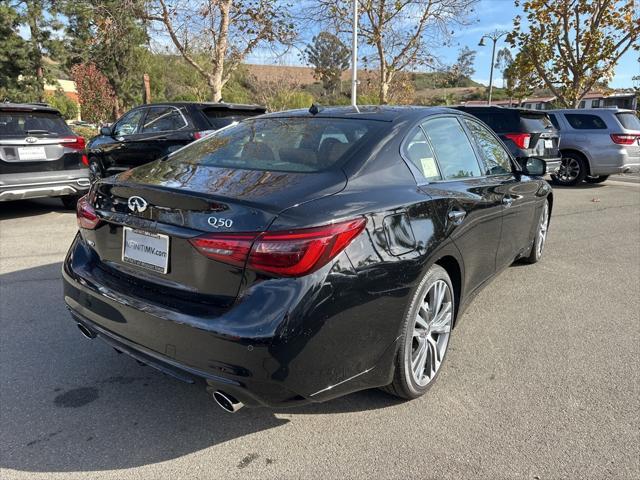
<point x="503" y="60"/>
<point x="397" y="34"/>
<point x="521" y="77"/>
<point x="215" y="36"/>
<point x="67" y="107"/>
<point x="463" y="68"/>
<point x="94" y="93"/>
<point x="573" y="44"/>
<point x="329" y="57"/>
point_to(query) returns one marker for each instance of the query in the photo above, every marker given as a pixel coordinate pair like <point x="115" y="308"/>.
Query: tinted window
<point x="455" y="155"/>
<point x="22" y="124"/>
<point x="628" y="120"/>
<point x="495" y="157"/>
<point x="418" y="151"/>
<point x="128" y="125"/>
<point x="282" y="144"/>
<point x="554" y="120"/>
<point x="500" y="121"/>
<point x="581" y="121"/>
<point x="222" y="118"/>
<point x="163" y="119"/>
<point x="532" y="122"/>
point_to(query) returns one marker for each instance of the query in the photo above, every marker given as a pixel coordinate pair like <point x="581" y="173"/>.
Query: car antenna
<point x="313" y="109"/>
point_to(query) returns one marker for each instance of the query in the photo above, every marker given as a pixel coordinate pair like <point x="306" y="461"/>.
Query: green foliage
<point x="287" y="99"/>
<point x="84" y="131"/>
<point x="329" y="57"/>
<point x="94" y="92"/>
<point x="67" y="107"/>
<point x="463" y="68"/>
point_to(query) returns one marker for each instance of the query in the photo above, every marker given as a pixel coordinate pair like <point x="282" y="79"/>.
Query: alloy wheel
<point x="431" y="332"/>
<point x="542" y="230"/>
<point x="569" y="170"/>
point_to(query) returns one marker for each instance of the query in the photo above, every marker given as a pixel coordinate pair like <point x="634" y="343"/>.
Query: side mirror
<point x="106" y="131"/>
<point x="534" y="167"/>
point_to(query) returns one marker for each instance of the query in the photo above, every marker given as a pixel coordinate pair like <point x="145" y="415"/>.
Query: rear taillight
<point x="86" y="214"/>
<point x="77" y="143"/>
<point x="520" y="139"/>
<point x="291" y="253"/>
<point x="202" y="134"/>
<point x="623" y="138"/>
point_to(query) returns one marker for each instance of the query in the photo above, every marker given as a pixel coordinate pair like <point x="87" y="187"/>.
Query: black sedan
<point x="300" y="256"/>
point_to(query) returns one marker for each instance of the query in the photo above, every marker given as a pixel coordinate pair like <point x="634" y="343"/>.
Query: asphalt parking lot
<point x="542" y="381"/>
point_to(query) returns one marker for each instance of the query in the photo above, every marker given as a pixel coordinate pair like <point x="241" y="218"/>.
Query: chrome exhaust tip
<point x="86" y="332"/>
<point x="227" y="402"/>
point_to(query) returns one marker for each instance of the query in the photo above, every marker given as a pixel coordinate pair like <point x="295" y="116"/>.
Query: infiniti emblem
<point x="31" y="139"/>
<point x="137" y="204"/>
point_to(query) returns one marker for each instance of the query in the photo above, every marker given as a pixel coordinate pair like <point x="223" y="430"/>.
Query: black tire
<point x="69" y="201"/>
<point x="404" y="384"/>
<point x="600" y="179"/>
<point x="536" y="251"/>
<point x="573" y="170"/>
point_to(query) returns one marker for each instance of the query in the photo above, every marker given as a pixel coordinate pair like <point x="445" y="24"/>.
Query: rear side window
<point x="453" y="150"/>
<point x="418" y="151"/>
<point x="628" y="120"/>
<point x="280" y="144"/>
<point x="23" y="124"/>
<point x="534" y="122"/>
<point x="163" y="119"/>
<point x="222" y="118"/>
<point x="580" y="121"/>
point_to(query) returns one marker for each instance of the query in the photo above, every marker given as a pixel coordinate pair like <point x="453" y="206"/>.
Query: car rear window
<point x="22" y="124"/>
<point x="532" y="122"/>
<point x="223" y="118"/>
<point x="505" y="121"/>
<point x="580" y="121"/>
<point x="280" y="144"/>
<point x="629" y="120"/>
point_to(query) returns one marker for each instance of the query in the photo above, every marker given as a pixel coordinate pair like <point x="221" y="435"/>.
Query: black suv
<point x="40" y="156"/>
<point x="152" y="131"/>
<point x="527" y="133"/>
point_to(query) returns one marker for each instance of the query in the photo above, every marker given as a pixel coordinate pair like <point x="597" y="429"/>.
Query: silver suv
<point x="596" y="143"/>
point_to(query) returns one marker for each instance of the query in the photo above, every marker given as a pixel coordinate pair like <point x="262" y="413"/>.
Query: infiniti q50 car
<point x="303" y="255"/>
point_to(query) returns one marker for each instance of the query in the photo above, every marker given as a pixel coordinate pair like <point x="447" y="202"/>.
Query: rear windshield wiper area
<point x="40" y="132"/>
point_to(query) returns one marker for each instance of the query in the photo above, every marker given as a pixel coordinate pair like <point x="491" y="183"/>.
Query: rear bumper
<point x="273" y="347"/>
<point x="20" y="186"/>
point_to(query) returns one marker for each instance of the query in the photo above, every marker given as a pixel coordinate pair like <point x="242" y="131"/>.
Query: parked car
<point x="149" y="132"/>
<point x="527" y="133"/>
<point x="40" y="156"/>
<point x="596" y="143"/>
<point x="297" y="257"/>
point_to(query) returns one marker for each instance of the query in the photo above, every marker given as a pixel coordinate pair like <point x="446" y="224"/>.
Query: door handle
<point x="457" y="216"/>
<point x="507" y="201"/>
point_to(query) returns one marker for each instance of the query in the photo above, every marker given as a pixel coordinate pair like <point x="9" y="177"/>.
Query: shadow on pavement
<point x="69" y="404"/>
<point x="30" y="208"/>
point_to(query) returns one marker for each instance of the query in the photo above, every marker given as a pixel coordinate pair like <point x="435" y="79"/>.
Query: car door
<point x="518" y="193"/>
<point x="468" y="202"/>
<point x="164" y="130"/>
<point x="122" y="149"/>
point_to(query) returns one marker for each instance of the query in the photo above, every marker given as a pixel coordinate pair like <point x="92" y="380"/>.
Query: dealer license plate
<point x="32" y="153"/>
<point x="145" y="249"/>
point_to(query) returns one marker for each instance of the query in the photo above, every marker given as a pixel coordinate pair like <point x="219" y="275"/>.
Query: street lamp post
<point x="497" y="34"/>
<point x="354" y="57"/>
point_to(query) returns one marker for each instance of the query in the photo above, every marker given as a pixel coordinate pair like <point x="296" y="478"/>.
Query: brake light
<point x="86" y="214"/>
<point x="77" y="143"/>
<point x="623" y="138"/>
<point x="520" y="139"/>
<point x="291" y="253"/>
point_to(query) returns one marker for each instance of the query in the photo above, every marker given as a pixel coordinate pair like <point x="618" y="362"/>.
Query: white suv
<point x="596" y="143"/>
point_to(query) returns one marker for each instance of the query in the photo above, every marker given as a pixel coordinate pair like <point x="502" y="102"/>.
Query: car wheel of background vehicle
<point x="541" y="236"/>
<point x="70" y="201"/>
<point x="599" y="179"/>
<point x="425" y="336"/>
<point x="572" y="171"/>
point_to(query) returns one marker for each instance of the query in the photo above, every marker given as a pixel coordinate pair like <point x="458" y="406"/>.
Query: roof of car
<point x="498" y="108"/>
<point x="218" y="105"/>
<point x="385" y="113"/>
<point x="28" y="107"/>
<point x="586" y="111"/>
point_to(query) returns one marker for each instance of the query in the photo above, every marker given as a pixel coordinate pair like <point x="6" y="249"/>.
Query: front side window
<point x="453" y="150"/>
<point x="280" y="144"/>
<point x="418" y="151"/>
<point x="129" y="124"/>
<point x="495" y="157"/>
<point x="163" y="119"/>
<point x="581" y="121"/>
